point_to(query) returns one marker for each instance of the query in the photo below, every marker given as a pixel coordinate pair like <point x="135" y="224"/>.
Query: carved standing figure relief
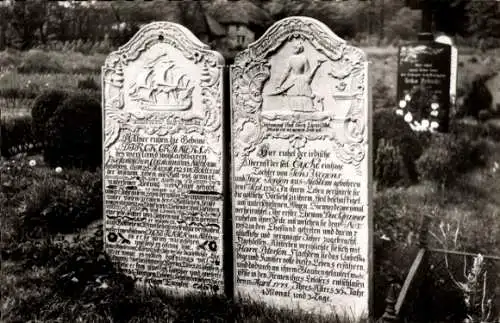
<point x="299" y="75"/>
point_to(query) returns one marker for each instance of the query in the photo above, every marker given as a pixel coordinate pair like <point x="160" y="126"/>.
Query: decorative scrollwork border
<point x="117" y="118"/>
<point x="251" y="70"/>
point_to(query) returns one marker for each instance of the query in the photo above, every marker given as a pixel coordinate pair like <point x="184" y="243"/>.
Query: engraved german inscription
<point x="300" y="173"/>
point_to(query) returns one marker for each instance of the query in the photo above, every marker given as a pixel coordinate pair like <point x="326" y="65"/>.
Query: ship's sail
<point x="162" y="86"/>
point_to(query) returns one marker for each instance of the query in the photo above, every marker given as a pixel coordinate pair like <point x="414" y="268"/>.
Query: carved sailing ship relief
<point x="162" y="86"/>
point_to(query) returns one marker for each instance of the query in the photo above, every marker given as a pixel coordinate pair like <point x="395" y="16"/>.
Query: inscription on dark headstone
<point x="423" y="95"/>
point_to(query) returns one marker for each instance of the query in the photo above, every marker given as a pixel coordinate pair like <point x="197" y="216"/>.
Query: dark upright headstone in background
<point x="424" y="85"/>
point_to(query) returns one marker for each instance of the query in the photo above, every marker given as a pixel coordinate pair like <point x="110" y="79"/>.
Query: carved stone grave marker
<point x="443" y="39"/>
<point x="493" y="85"/>
<point x="162" y="169"/>
<point x="301" y="170"/>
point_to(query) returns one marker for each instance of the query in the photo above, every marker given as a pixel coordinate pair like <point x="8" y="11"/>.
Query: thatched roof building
<point x="200" y="21"/>
<point x="242" y="12"/>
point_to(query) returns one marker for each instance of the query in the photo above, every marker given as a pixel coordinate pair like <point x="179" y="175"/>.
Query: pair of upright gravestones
<point x="297" y="232"/>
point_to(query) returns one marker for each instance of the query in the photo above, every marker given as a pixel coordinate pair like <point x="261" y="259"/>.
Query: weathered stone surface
<point x="163" y="159"/>
<point x="443" y="39"/>
<point x="301" y="170"/>
<point x="493" y="85"/>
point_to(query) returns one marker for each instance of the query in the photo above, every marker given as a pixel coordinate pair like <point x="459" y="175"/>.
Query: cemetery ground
<point x="54" y="268"/>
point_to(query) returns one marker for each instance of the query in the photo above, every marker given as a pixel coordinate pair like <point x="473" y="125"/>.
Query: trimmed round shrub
<point x="477" y="153"/>
<point x="74" y="133"/>
<point x="478" y="97"/>
<point x="440" y="162"/>
<point x="469" y="126"/>
<point x="492" y="129"/>
<point x="15" y="135"/>
<point x="389" y="126"/>
<point x="449" y="156"/>
<point x="484" y="115"/>
<point x="43" y="108"/>
<point x="390" y="169"/>
<point x="382" y="96"/>
<point x="88" y="83"/>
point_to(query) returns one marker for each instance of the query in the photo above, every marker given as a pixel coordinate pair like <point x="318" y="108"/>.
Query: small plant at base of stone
<point x="389" y="126"/>
<point x="390" y="169"/>
<point x="449" y="156"/>
<point x="479" y="307"/>
<point x="474" y="287"/>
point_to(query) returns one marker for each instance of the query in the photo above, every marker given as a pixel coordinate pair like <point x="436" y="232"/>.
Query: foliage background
<point x="53" y="267"/>
<point x="25" y="24"/>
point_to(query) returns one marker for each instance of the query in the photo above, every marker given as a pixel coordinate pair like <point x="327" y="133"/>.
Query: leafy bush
<point x="395" y="238"/>
<point x="16" y="135"/>
<point x="37" y="61"/>
<point x="42" y="110"/>
<point x="492" y="129"/>
<point x="469" y="127"/>
<point x="89" y="205"/>
<point x="14" y="86"/>
<point x="382" y="97"/>
<point x="477" y="98"/>
<point x="440" y="162"/>
<point x="404" y="25"/>
<point x="120" y="36"/>
<point x="398" y="217"/>
<point x="18" y="93"/>
<point x="9" y="58"/>
<point x="88" y="83"/>
<point x="61" y="204"/>
<point x="389" y="126"/>
<point x="484" y="115"/>
<point x="390" y="169"/>
<point x="449" y="156"/>
<point x="74" y="133"/>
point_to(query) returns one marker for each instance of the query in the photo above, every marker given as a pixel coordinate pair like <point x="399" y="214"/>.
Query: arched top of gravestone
<point x="170" y="33"/>
<point x="300" y="70"/>
<point x="444" y="39"/>
<point x="304" y="28"/>
<point x="166" y="77"/>
<point x="300" y="116"/>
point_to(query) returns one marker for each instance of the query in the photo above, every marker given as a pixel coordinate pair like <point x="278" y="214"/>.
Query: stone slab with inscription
<point x="163" y="204"/>
<point x="301" y="170"/>
<point x="423" y="89"/>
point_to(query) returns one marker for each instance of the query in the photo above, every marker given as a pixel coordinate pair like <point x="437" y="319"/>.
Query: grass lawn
<point x="60" y="274"/>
